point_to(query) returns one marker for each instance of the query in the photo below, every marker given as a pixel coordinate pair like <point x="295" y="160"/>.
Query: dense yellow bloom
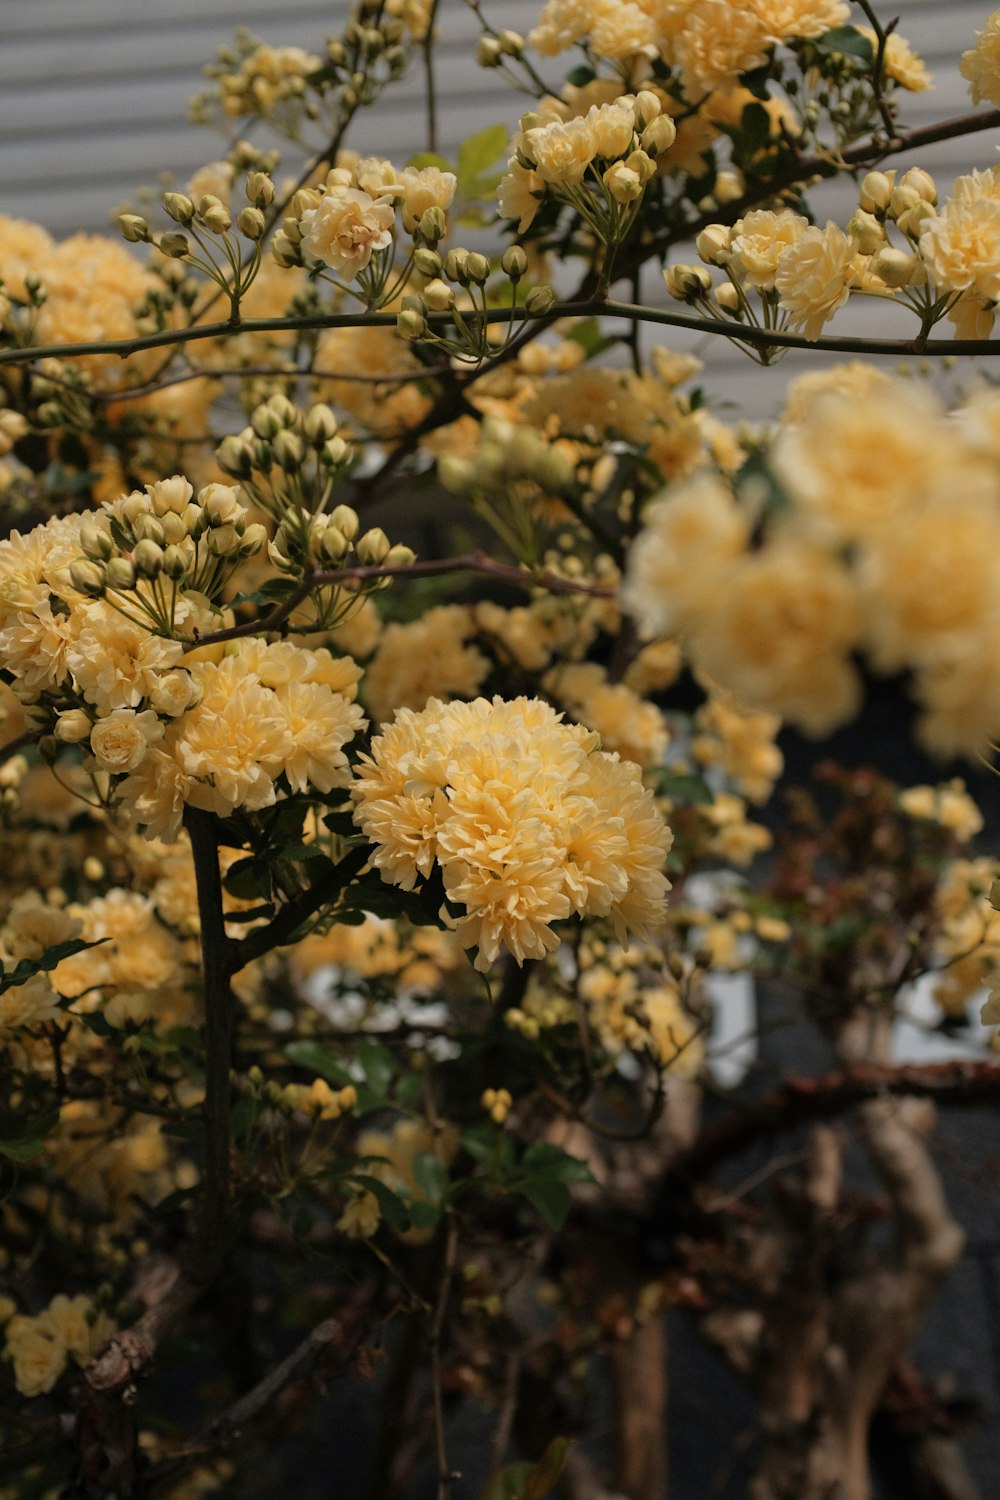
<point x="961" y="245"/>
<point x="346" y="228"/>
<point x="628" y="725"/>
<point x="718" y="42"/>
<point x="814" y="277"/>
<point x="757" y="243"/>
<point x="981" y="64"/>
<point x="426" y="658"/>
<point x="40" y="1347"/>
<point x="784" y="19"/>
<point x="529" y="822"/>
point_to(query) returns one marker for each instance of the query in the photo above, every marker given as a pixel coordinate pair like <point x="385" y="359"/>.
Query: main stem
<point x="213" y="1213"/>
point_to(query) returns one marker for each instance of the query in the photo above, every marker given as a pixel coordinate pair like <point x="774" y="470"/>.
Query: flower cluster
<point x="527" y="820"/>
<point x="40" y="1347"/>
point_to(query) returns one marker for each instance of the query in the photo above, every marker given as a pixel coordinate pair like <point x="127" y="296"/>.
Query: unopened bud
<point x="176" y="561"/>
<point x="411" y="325"/>
<point x="371" y="548"/>
<point x="514" y="262"/>
<point x="659" y="135"/>
<point x="399" y="556"/>
<point x="222" y="541"/>
<point x="876" y="190"/>
<point x="134" y="228"/>
<point x="179" y="207"/>
<point x="346" y="520"/>
<point x="72" y="726"/>
<point x="539" y="301"/>
<point x="922" y="183"/>
<point x="712" y="244"/>
<point x="687" y="283"/>
<point x="173" y="244"/>
<point x="454" y="264"/>
<point x="320" y="425"/>
<point x="333" y="545"/>
<point x="120" y="574"/>
<point x="283" y="252"/>
<point x="87" y="577"/>
<point x="254" y="540"/>
<point x="251" y="223"/>
<point x="438" y="296"/>
<point x="287" y="448"/>
<point x="213" y="213"/>
<point x="866" y="232"/>
<point x="334" y="452"/>
<point x="477" y="267"/>
<point x="233" y="456"/>
<point x="488" y="52"/>
<point x="95" y="542"/>
<point x="260" y="189"/>
<point x="433" y="225"/>
<point x="427" y="262"/>
<point x="895" y="267"/>
<point x="148" y="558"/>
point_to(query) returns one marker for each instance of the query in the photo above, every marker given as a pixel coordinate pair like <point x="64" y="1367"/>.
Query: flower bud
<point x="260" y="189"/>
<point x="687" y="283"/>
<point x="901" y="199"/>
<point x="622" y="184"/>
<point x="287" y="448"/>
<point x="173" y="527"/>
<point x="511" y="43"/>
<point x="514" y="262"/>
<point x="333" y="545"/>
<point x="539" y="301"/>
<point x="233" y="457"/>
<point x="866" y="232"/>
<point x="214" y="214"/>
<point x="254" y="540"/>
<point x="399" y="556"/>
<point x="195" y="520"/>
<point x="433" y="225"/>
<point x="895" y="267"/>
<point x="477" y="267"/>
<point x="912" y="221"/>
<point x="223" y="541"/>
<point x="712" y="244"/>
<point x="220" y="504"/>
<point x="175" y="561"/>
<point x="876" y="190"/>
<point x="251" y="223"/>
<point x="72" y="726"/>
<point x="148" y="558"/>
<point x="728" y="186"/>
<point x="87" y="577"/>
<point x="728" y="300"/>
<point x="659" y="135"/>
<point x="134" y="228"/>
<point x="148" y="528"/>
<point x="922" y="183"/>
<point x="179" y="207"/>
<point x="334" y="452"/>
<point x="173" y="245"/>
<point x="372" y="548"/>
<point x="283" y="252"/>
<point x="488" y="52"/>
<point x="454" y="264"/>
<point x="120" y="574"/>
<point x="647" y="107"/>
<point x="95" y="541"/>
<point x="346" y="520"/>
<point x="320" y="425"/>
<point x="438" y="296"/>
<point x="411" y="325"/>
<point x="427" y="262"/>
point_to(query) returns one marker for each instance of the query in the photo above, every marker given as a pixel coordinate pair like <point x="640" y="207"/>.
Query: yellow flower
<point x="980" y="66"/>
<point x="784" y="19"/>
<point x="423" y="188"/>
<point x="38" y="1358"/>
<point x="561" y="153"/>
<point x="226" y="745"/>
<point x="757" y="243"/>
<point x="346" y="228"/>
<point x="716" y="44"/>
<point x="29" y="1004"/>
<point x="561" y="24"/>
<point x="426" y="658"/>
<point x="121" y="738"/>
<point x="520" y="193"/>
<point x="814" y="275"/>
<point x="961" y="246"/>
<point x="528" y="821"/>
<point x="115" y="663"/>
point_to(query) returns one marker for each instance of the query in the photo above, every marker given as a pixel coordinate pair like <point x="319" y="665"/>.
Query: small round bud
<point x="478" y="268"/>
<point x="233" y="456"/>
<point x="922" y="183"/>
<point x="87" y="577"/>
<point x="876" y="190"/>
<point x="320" y="425"/>
<point x="334" y="452"/>
<point x="223" y="541"/>
<point x="179" y="207"/>
<point x="438" y="296"/>
<point x="333" y="545"/>
<point x="647" y="107"/>
<point x="346" y="520"/>
<point x="511" y="43"/>
<point x="728" y="300"/>
<point x="174" y="245"/>
<point x="488" y="52"/>
<point x="254" y="540"/>
<point x="896" y="268"/>
<point x="433" y="225"/>
<point x="148" y="528"/>
<point x="687" y="283"/>
<point x="96" y="542"/>
<point x="120" y="574"/>
<point x="427" y="262"/>
<point x="454" y="265"/>
<point x="72" y="727"/>
<point x="411" y="325"/>
<point x="148" y="558"/>
<point x="173" y="528"/>
<point x="866" y="231"/>
<point x="266" y="422"/>
<point x="214" y="214"/>
<point x="399" y="556"/>
<point x="539" y="301"/>
<point x="260" y="189"/>
<point x="134" y="228"/>
<point x="175" y="562"/>
<point x="287" y="448"/>
<point x="514" y="262"/>
<point x="283" y="252"/>
<point x="251" y="223"/>
<point x="372" y="548"/>
<point x="659" y="135"/>
<point x="712" y="244"/>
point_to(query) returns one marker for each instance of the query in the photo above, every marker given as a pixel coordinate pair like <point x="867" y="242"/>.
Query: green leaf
<point x="755" y="128"/>
<point x="379" y="1067"/>
<point x="274" y="591"/>
<point x="686" y="788"/>
<point x="509" y="1482"/>
<point x="545" y="1475"/>
<point x="591" y="337"/>
<point x="846" y="41"/>
<point x="475" y="156"/>
<point x="25" y="1149"/>
<point x="551" y="1199"/>
<point x="430" y="1177"/>
<point x="553" y="1164"/>
<point x="27" y="968"/>
<point x="581" y="76"/>
<point x="316" y="1060"/>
